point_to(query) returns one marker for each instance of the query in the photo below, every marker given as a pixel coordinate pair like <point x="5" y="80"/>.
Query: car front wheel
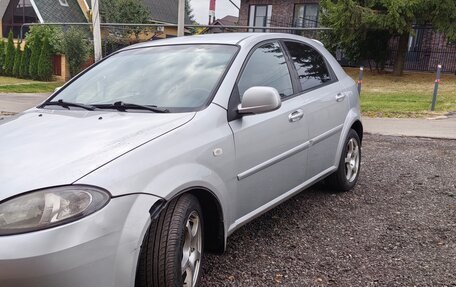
<point x="347" y="174"/>
<point x="172" y="252"/>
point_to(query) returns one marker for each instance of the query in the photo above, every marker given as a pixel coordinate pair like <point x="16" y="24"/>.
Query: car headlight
<point x="50" y="207"/>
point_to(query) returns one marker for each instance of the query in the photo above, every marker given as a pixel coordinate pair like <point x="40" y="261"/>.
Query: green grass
<point x="14" y="85"/>
<point x="384" y="95"/>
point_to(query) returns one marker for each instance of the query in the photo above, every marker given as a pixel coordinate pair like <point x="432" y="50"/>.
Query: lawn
<point x="14" y="85"/>
<point x="384" y="95"/>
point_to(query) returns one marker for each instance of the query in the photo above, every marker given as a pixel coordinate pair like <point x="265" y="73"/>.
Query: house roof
<point x="52" y="11"/>
<point x="164" y="10"/>
<point x="227" y="21"/>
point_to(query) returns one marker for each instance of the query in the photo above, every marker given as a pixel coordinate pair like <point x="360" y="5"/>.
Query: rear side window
<point x="310" y="65"/>
<point x="267" y="67"/>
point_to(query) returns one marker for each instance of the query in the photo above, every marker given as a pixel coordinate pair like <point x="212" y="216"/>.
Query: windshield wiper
<point x="121" y="106"/>
<point x="67" y="105"/>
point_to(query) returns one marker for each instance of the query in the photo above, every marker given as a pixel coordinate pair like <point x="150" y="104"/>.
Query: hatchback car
<point x="134" y="169"/>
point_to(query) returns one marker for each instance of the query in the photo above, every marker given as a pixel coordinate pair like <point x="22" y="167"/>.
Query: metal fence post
<point x="360" y="79"/>
<point x="436" y="87"/>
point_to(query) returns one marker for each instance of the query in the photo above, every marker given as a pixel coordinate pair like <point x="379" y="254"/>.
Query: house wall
<point x="282" y="10"/>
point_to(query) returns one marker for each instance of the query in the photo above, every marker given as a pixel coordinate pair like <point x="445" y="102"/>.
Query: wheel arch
<point x="358" y="127"/>
<point x="214" y="226"/>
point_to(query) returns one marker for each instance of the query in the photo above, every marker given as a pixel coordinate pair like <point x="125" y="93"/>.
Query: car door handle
<point x="296" y="116"/>
<point x="340" y="97"/>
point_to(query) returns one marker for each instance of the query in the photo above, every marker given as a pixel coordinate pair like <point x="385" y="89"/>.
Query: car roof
<point x="222" y="38"/>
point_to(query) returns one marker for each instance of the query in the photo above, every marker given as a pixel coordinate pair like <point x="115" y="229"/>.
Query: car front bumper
<point x="100" y="250"/>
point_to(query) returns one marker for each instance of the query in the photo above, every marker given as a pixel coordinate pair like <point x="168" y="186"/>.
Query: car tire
<point x="346" y="176"/>
<point x="172" y="251"/>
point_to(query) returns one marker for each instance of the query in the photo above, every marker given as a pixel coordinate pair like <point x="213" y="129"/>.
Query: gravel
<point x="396" y="228"/>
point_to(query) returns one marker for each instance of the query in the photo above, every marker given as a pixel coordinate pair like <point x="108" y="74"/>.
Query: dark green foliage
<point x="45" y="67"/>
<point x="189" y="11"/>
<point x="25" y="62"/>
<point x="357" y="23"/>
<point x="76" y="48"/>
<point x="17" y="60"/>
<point x="35" y="38"/>
<point x="34" y="59"/>
<point x="125" y="11"/>
<point x="53" y="33"/>
<point x="9" y="56"/>
<point x="2" y="56"/>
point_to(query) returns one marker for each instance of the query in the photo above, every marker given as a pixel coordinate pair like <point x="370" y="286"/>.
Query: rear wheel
<point x="172" y="252"/>
<point x="347" y="174"/>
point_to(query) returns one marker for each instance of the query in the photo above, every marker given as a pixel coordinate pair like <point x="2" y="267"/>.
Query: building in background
<point x="221" y="23"/>
<point x="427" y="47"/>
<point x="15" y="13"/>
<point x="279" y="13"/>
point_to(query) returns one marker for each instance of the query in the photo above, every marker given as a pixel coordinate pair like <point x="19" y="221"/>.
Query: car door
<point x="270" y="155"/>
<point x="326" y="106"/>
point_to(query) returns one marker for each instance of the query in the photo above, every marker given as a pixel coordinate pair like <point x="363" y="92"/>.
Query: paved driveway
<point x="397" y="228"/>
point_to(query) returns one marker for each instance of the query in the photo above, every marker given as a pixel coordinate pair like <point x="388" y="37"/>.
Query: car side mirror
<point x="259" y="100"/>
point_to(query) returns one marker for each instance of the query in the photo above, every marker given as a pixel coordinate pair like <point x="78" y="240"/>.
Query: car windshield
<point x="179" y="78"/>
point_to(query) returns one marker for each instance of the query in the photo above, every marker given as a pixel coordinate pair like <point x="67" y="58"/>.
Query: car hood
<point x="42" y="148"/>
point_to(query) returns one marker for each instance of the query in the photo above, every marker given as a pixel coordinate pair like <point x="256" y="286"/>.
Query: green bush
<point x="17" y="60"/>
<point x="25" y="62"/>
<point x="34" y="58"/>
<point x="75" y="49"/>
<point x="9" y="56"/>
<point x="45" y="67"/>
<point x="2" y="56"/>
<point x="54" y="35"/>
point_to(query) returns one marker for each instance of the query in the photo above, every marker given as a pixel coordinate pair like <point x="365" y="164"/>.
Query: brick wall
<point x="282" y="10"/>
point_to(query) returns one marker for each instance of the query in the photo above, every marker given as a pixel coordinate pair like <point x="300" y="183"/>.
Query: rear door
<point x="325" y="108"/>
<point x="270" y="155"/>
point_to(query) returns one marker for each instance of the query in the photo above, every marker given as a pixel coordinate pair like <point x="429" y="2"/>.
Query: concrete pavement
<point x="444" y="128"/>
<point x="438" y="128"/>
<point x="15" y="103"/>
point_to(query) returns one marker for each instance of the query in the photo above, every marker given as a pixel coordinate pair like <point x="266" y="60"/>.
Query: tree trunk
<point x="399" y="62"/>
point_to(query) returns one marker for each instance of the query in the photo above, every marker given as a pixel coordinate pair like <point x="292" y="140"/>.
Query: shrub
<point x="75" y="49"/>
<point x="45" y="67"/>
<point x="17" y="60"/>
<point x="54" y="35"/>
<point x="2" y="56"/>
<point x="9" y="56"/>
<point x="34" y="59"/>
<point x="25" y="62"/>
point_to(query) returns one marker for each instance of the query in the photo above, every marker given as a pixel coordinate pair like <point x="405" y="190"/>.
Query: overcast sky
<point x="223" y="8"/>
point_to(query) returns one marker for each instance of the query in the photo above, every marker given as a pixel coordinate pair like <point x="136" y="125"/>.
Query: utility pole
<point x="181" y="19"/>
<point x="96" y="30"/>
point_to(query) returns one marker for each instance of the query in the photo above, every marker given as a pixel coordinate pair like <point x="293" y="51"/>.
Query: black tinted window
<point x="311" y="66"/>
<point x="267" y="67"/>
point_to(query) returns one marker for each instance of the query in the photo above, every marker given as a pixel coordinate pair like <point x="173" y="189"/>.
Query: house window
<point x="63" y="3"/>
<point x="260" y="16"/>
<point x="17" y="13"/>
<point x="306" y="15"/>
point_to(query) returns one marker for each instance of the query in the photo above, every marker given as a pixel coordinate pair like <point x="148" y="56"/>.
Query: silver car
<point x="133" y="170"/>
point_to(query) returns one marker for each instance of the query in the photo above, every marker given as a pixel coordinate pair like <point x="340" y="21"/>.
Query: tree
<point x="353" y="20"/>
<point x="75" y="49"/>
<point x="35" y="58"/>
<point x="45" y="67"/>
<point x="2" y="56"/>
<point x="125" y="11"/>
<point x="189" y="11"/>
<point x="17" y="60"/>
<point x="25" y="62"/>
<point x="9" y="56"/>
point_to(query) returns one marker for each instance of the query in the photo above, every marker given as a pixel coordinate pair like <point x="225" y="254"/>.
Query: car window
<point x="175" y="77"/>
<point x="267" y="67"/>
<point x="310" y="65"/>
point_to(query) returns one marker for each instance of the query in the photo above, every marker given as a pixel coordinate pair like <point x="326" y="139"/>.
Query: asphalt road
<point x="397" y="228"/>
